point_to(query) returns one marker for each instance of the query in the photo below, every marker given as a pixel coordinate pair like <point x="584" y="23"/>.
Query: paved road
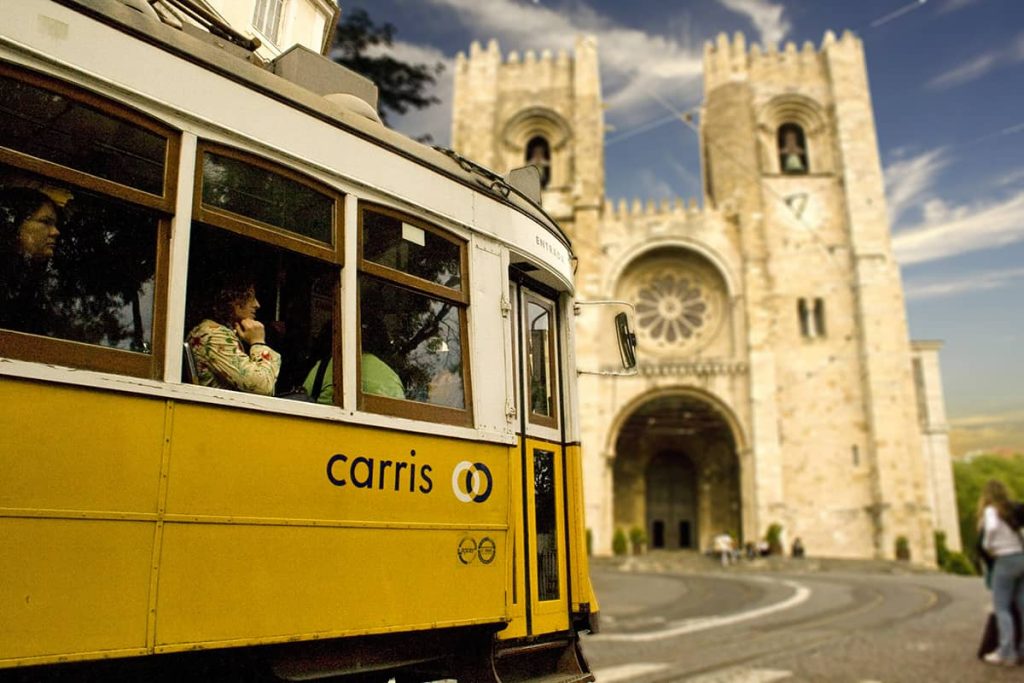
<point x="758" y="627"/>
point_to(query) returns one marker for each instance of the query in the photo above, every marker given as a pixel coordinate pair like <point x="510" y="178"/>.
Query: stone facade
<point x="777" y="383"/>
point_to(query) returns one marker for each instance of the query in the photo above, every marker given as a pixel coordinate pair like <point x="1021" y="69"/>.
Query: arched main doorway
<point x="676" y="473"/>
<point x="671" y="500"/>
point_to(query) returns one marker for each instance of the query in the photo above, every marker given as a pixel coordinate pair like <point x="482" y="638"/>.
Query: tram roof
<point x="225" y="60"/>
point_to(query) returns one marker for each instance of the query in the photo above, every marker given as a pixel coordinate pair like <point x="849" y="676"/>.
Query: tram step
<point x="556" y="661"/>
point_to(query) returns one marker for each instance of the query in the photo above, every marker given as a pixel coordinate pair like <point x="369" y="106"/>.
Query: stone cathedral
<point x="776" y="382"/>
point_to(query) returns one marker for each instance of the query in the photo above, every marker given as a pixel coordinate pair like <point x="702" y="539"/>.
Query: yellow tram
<point x="413" y="512"/>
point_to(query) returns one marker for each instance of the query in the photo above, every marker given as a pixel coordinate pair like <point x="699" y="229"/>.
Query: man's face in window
<point x="37" y="236"/>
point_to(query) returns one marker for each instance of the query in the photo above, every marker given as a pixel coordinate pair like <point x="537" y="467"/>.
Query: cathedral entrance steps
<point x="661" y="561"/>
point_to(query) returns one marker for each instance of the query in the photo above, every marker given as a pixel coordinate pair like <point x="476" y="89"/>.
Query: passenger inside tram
<point x="297" y="295"/>
<point x="30" y="227"/>
<point x="378" y="377"/>
<point x="229" y="343"/>
<point x="319" y="382"/>
<point x="411" y="345"/>
<point x="75" y="264"/>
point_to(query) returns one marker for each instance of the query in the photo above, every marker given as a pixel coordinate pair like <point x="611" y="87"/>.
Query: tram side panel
<point x="261" y="533"/>
<point x="282" y="527"/>
<point x="78" y="511"/>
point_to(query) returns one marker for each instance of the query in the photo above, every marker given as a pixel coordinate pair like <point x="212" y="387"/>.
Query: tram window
<point x="77" y="265"/>
<point x="412" y="249"/>
<point x="86" y="188"/>
<point x="412" y="313"/>
<point x="540" y="355"/>
<point x="262" y="226"/>
<point x="411" y="345"/>
<point x="296" y="307"/>
<point x="52" y="126"/>
<point x="545" y="517"/>
<point x="258" y="193"/>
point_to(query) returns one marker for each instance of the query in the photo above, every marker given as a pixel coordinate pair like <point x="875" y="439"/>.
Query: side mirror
<point x="627" y="341"/>
<point x="597" y="320"/>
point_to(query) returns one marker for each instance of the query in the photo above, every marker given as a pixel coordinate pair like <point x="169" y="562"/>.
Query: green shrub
<point x="637" y="539"/>
<point x="941" y="550"/>
<point x="902" y="548"/>
<point x="958" y="563"/>
<point x="774" y="538"/>
<point x="619" y="542"/>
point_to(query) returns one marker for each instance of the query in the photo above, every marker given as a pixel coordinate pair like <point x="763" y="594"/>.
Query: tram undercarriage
<point x="467" y="655"/>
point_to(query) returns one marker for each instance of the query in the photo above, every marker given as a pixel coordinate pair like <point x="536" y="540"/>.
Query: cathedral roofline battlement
<point x="674" y="208"/>
<point x="481" y="57"/>
<point x="728" y="60"/>
<point x="492" y="55"/>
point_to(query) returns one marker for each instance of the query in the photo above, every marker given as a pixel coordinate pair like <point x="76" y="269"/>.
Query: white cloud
<point x="980" y="65"/>
<point x="967" y="228"/>
<point x="689" y="181"/>
<point x="942" y="229"/>
<point x="765" y="16"/>
<point x="435" y="120"/>
<point x="977" y="67"/>
<point x="654" y="187"/>
<point x="414" y="54"/>
<point x="1012" y="178"/>
<point x="633" y="63"/>
<point x="1016" y="52"/>
<point x="907" y="180"/>
<point x="984" y="281"/>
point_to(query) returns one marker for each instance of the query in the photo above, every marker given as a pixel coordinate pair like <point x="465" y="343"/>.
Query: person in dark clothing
<point x="29" y="228"/>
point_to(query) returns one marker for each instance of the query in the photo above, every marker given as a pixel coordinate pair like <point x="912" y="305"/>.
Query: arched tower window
<point x="538" y="153"/>
<point x="792" y="149"/>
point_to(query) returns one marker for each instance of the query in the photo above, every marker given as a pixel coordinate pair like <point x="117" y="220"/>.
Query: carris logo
<point x="472" y="482"/>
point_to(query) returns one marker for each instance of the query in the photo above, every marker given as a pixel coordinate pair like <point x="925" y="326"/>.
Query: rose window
<point x="671" y="309"/>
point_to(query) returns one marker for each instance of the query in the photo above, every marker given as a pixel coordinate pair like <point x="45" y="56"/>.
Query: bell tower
<point x="804" y="397"/>
<point x="543" y="110"/>
<point x="790" y="157"/>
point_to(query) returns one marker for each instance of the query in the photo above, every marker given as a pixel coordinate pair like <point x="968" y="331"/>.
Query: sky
<point x="947" y="83"/>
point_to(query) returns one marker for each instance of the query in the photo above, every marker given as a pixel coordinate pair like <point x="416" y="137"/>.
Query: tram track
<point x="690" y="604"/>
<point x="872" y="604"/>
<point x="933" y="599"/>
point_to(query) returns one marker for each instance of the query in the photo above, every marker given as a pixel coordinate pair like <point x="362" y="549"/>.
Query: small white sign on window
<point x="410" y="233"/>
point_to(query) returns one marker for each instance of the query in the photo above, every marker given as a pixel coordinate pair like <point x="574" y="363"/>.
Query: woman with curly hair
<point x="229" y="344"/>
<point x="1001" y="539"/>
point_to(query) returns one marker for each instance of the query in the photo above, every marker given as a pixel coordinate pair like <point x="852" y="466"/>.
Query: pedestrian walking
<point x="723" y="547"/>
<point x="1001" y="540"/>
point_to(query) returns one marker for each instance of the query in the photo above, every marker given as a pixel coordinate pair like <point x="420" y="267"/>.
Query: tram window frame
<point x="162" y="202"/>
<point x="416" y="410"/>
<point x="85" y="355"/>
<point x="277" y="235"/>
<point x="551" y="306"/>
<point x="280" y="237"/>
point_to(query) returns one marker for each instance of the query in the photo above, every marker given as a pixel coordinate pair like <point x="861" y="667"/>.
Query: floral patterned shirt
<point x="221" y="360"/>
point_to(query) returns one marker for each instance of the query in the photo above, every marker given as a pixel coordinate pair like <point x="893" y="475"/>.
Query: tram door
<point x="543" y="461"/>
